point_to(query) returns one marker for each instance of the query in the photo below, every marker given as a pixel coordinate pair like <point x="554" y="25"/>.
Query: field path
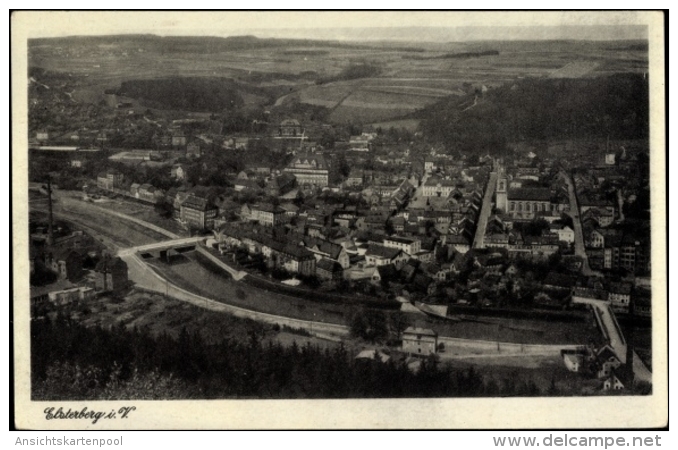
<point x="343" y="99"/>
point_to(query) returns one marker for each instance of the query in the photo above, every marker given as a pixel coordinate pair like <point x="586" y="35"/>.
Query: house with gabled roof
<point x="565" y="233"/>
<point x="327" y="269"/>
<point x="309" y="169"/>
<point x="264" y="213"/>
<point x="419" y="341"/>
<point x="290" y="128"/>
<point x="280" y="185"/>
<point x="111" y="274"/>
<point x="607" y="360"/>
<point x="178" y="171"/>
<point x="378" y="255"/>
<point x="197" y="211"/>
<point x="620" y="296"/>
<point x="324" y="249"/>
<point x="243" y="184"/>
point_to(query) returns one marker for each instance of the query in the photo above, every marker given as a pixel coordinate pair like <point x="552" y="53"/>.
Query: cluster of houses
<point x="82" y="268"/>
<point x="114" y="182"/>
<point x="613" y="248"/>
<point x="603" y="190"/>
<point x="602" y="365"/>
<point x="362" y="142"/>
<point x="344" y="257"/>
<point x="501" y="234"/>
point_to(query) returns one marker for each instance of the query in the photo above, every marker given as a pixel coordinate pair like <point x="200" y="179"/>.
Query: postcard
<point x="339" y="220"/>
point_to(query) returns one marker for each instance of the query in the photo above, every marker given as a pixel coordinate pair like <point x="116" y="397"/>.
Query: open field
<point x="576" y="69"/>
<point x="144" y="212"/>
<point x="523" y="331"/>
<point x="411" y="78"/>
<point x="187" y="273"/>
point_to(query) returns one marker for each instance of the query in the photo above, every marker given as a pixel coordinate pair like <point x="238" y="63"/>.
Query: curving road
<point x="144" y="277"/>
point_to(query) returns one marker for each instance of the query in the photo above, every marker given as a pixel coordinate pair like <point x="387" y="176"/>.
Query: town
<point x="377" y="235"/>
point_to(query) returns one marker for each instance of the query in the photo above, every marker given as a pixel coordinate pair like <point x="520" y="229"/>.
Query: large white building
<point x="310" y="169"/>
<point x="438" y="187"/>
<point x="408" y="245"/>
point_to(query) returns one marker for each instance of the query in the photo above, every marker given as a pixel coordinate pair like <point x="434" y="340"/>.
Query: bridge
<point x="164" y="246"/>
<point x="613" y="333"/>
<point x="180" y="245"/>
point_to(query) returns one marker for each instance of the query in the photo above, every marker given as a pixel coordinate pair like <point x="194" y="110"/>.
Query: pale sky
<point x="338" y="25"/>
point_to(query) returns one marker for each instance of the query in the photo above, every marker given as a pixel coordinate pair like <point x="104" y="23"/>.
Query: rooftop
<point x="401" y="240"/>
<point x="195" y="202"/>
<point x="383" y="252"/>
<point x="532" y="194"/>
<point x="420" y="331"/>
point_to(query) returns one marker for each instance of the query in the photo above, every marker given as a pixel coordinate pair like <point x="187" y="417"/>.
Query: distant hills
<point x="191" y="44"/>
<point x="419" y="34"/>
<point x="404" y="39"/>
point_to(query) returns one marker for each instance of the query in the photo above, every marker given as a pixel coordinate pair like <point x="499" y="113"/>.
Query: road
<point x="237" y="275"/>
<point x="610" y="328"/>
<point x="454" y="348"/>
<point x="485" y="211"/>
<point x="145" y="278"/>
<point x="579" y="249"/>
<point x="618" y="343"/>
<point x="419" y="191"/>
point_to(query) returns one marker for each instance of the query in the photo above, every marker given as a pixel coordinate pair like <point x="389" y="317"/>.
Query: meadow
<point x="404" y="79"/>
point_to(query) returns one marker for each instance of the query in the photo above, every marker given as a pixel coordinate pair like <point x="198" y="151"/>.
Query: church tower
<point x="502" y="191"/>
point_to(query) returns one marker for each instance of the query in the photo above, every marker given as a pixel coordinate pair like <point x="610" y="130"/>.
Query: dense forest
<point x="70" y="361"/>
<point x="186" y="93"/>
<point x="461" y="55"/>
<point x="353" y="72"/>
<point x="542" y="109"/>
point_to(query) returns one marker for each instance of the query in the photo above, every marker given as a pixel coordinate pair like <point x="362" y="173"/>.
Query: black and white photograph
<point x="345" y="219"/>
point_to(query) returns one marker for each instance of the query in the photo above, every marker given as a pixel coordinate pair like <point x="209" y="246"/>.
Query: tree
<point x="164" y="208"/>
<point x="299" y="198"/>
<point x="328" y="139"/>
<point x="398" y="323"/>
<point x="342" y="165"/>
<point x="535" y="227"/>
<point x="388" y="227"/>
<point x="369" y="324"/>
